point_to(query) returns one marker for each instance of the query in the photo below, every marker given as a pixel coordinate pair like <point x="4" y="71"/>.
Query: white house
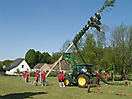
<point x="18" y="65"/>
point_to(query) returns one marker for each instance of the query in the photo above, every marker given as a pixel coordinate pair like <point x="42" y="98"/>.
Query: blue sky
<point x="44" y="25"/>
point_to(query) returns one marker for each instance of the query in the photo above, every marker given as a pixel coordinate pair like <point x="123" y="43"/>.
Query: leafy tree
<point x="39" y="56"/>
<point x="120" y="43"/>
<point x="55" y="56"/>
<point x="89" y="48"/>
<point x="1" y="65"/>
<point x="130" y="48"/>
<point x="65" y="46"/>
<point x="46" y="58"/>
<point x="100" y="37"/>
<point x="7" y="63"/>
<point x="31" y="58"/>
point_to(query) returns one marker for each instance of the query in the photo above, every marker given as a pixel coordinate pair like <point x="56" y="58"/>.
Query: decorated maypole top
<point x="94" y="21"/>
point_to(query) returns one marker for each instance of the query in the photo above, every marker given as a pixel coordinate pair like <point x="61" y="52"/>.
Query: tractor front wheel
<point x="67" y="81"/>
<point x="82" y="80"/>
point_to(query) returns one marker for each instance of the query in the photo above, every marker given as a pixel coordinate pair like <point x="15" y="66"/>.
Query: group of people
<point x="40" y="77"/>
<point x="38" y="74"/>
<point x="37" y="78"/>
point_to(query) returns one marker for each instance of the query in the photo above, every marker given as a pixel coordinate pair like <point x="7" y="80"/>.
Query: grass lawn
<point x="13" y="87"/>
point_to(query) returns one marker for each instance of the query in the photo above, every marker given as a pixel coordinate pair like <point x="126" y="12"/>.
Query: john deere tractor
<point x="80" y="75"/>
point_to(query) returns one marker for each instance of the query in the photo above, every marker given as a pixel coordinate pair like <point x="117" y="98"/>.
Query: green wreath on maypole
<point x="94" y="21"/>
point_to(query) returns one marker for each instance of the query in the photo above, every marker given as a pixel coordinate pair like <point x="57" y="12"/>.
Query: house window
<point x="22" y="66"/>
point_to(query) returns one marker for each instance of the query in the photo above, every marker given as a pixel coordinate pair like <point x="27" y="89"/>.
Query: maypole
<point x="93" y="22"/>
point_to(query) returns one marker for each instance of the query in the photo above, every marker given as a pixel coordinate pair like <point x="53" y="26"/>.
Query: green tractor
<point x="81" y="74"/>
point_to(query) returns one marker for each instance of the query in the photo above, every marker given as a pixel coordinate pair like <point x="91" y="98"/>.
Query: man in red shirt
<point x="37" y="76"/>
<point x="23" y="76"/>
<point x="43" y="76"/>
<point x="97" y="78"/>
<point x="61" y="79"/>
<point x="26" y="76"/>
<point x="106" y="76"/>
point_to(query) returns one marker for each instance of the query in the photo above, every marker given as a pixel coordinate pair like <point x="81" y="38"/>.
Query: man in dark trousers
<point x="26" y="76"/>
<point x="37" y="77"/>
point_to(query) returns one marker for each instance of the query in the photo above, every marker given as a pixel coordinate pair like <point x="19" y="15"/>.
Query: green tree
<point x="120" y="38"/>
<point x="7" y="63"/>
<point x="65" y="46"/>
<point x="130" y="48"/>
<point x="1" y="65"/>
<point x="55" y="56"/>
<point x="39" y="56"/>
<point x="46" y="58"/>
<point x="101" y="44"/>
<point x="31" y="58"/>
<point x="89" y="48"/>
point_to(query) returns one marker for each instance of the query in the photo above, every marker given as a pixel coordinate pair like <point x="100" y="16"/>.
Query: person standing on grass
<point x="98" y="78"/>
<point x="43" y="76"/>
<point x="106" y="77"/>
<point x="37" y="76"/>
<point x="61" y="79"/>
<point x="26" y="76"/>
<point x="23" y="76"/>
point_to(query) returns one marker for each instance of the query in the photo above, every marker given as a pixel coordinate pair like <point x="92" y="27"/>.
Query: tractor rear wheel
<point x="67" y="81"/>
<point x="82" y="80"/>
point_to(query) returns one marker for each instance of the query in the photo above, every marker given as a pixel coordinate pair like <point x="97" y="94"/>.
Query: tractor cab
<point x="84" y="68"/>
